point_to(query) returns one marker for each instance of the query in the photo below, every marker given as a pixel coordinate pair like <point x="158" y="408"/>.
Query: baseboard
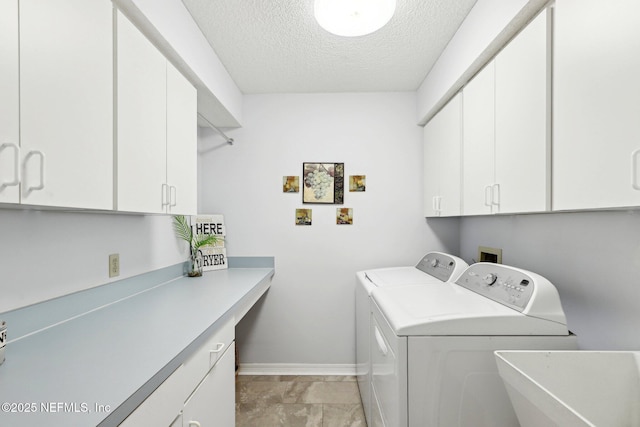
<point x="295" y="369"/>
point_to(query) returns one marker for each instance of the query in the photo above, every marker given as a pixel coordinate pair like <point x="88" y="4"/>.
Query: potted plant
<point x="196" y="241"/>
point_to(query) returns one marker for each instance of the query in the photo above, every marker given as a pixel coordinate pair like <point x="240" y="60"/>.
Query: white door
<point x="442" y="150"/>
<point x="212" y="404"/>
<point x="141" y="135"/>
<point x="478" y="118"/>
<point x="182" y="139"/>
<point x="431" y="167"/>
<point x="66" y="102"/>
<point x="9" y="103"/>
<point x="451" y="151"/>
<point x="596" y="104"/>
<point x="521" y="116"/>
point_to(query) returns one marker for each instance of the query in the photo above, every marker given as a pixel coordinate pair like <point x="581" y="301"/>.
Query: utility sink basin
<point x="572" y="388"/>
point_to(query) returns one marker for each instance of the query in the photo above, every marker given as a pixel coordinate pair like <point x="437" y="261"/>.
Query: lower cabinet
<point x="200" y="393"/>
<point x="213" y="402"/>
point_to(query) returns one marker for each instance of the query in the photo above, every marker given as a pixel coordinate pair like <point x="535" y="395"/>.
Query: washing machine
<point x="433" y="268"/>
<point x="432" y="346"/>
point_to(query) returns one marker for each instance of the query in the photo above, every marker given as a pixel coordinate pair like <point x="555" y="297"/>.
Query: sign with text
<point x="214" y="257"/>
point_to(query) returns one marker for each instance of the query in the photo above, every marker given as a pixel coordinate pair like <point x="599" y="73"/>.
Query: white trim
<point x="295" y="369"/>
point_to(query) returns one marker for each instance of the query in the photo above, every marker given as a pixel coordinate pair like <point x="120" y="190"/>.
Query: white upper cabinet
<point x="505" y="116"/>
<point x="442" y="146"/>
<point x="478" y="167"/>
<point x="157" y="129"/>
<point x="9" y="103"/>
<point x="66" y="102"/>
<point x="142" y="110"/>
<point x="522" y="120"/>
<point x="596" y="115"/>
<point x="182" y="139"/>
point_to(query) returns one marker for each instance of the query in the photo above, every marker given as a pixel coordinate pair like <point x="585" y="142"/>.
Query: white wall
<point x="46" y="254"/>
<point x="593" y="258"/>
<point x="308" y="314"/>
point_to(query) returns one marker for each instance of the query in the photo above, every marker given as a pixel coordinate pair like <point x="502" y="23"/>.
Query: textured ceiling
<point x="276" y="46"/>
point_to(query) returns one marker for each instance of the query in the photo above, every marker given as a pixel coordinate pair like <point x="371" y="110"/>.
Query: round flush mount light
<point x="352" y="18"/>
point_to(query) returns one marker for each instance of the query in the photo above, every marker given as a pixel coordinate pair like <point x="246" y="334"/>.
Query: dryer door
<point x="389" y="373"/>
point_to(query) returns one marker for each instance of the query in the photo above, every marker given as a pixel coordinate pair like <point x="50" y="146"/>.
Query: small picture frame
<point x="357" y="183"/>
<point x="303" y="216"/>
<point x="344" y="216"/>
<point x="323" y="183"/>
<point x="290" y="184"/>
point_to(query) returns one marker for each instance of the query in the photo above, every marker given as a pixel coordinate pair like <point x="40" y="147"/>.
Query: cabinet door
<point x="442" y="149"/>
<point x="596" y="104"/>
<point x="431" y="175"/>
<point x="478" y="118"/>
<point x="9" y="103"/>
<point x="141" y="143"/>
<point x="451" y="150"/>
<point x="521" y="116"/>
<point x="182" y="139"/>
<point x="212" y="404"/>
<point x="66" y="102"/>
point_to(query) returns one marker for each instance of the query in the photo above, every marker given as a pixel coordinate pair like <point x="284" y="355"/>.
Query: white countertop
<point x="95" y="367"/>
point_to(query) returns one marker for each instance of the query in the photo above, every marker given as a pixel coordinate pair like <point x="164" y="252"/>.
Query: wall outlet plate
<point x="114" y="265"/>
<point x="486" y="254"/>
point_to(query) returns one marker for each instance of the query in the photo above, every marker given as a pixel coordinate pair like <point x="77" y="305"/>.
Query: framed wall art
<point x="344" y="216"/>
<point x="290" y="184"/>
<point x="323" y="183"/>
<point x="357" y="182"/>
<point x="303" y="216"/>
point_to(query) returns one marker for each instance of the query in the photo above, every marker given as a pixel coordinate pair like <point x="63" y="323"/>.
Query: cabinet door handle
<point x="165" y="195"/>
<point x="381" y="345"/>
<point x="173" y="199"/>
<point x="495" y="195"/>
<point x="40" y="154"/>
<point x="16" y="165"/>
<point x="634" y="169"/>
<point x="488" y="195"/>
<point x="436" y="201"/>
<point x="218" y="349"/>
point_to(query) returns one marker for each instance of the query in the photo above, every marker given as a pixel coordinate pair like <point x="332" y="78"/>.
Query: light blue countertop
<point x="91" y="358"/>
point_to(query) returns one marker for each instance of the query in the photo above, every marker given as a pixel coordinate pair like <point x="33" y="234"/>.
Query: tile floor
<point x="298" y="401"/>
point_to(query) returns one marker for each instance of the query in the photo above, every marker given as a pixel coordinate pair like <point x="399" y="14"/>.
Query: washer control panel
<point x="502" y="284"/>
<point x="438" y="265"/>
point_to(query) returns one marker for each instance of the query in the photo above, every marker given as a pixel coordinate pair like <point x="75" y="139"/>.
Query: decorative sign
<point x="214" y="257"/>
<point x="323" y="183"/>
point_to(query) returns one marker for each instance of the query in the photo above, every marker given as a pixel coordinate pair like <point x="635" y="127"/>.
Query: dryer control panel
<point x="438" y="265"/>
<point x="508" y="286"/>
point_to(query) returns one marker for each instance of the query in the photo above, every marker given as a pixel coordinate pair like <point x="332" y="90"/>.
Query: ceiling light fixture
<point x="352" y="18"/>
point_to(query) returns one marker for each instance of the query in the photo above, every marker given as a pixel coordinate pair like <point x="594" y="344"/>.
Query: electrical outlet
<point x="114" y="265"/>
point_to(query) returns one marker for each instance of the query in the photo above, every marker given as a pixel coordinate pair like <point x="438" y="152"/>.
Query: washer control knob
<point x="490" y="279"/>
<point x="434" y="262"/>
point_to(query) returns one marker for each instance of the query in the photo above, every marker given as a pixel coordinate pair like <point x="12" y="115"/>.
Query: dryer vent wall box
<point x="486" y="254"/>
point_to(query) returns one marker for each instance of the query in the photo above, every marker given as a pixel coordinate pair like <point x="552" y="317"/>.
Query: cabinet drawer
<point x="162" y="406"/>
<point x="205" y="357"/>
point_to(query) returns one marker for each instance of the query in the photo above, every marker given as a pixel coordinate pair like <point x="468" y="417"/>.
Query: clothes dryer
<point x="432" y="346"/>
<point x="433" y="268"/>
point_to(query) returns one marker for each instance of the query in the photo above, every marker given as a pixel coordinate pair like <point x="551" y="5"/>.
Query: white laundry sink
<point x="572" y="388"/>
